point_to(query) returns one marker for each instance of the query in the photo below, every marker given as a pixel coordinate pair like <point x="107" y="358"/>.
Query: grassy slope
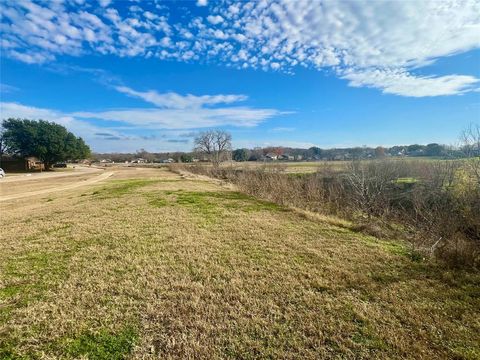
<point x="163" y="266"/>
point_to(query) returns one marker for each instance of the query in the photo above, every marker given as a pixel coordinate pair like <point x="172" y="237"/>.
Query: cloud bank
<point x="377" y="44"/>
<point x="174" y="114"/>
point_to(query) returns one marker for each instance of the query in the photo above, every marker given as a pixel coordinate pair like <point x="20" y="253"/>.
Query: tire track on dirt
<point x="57" y="189"/>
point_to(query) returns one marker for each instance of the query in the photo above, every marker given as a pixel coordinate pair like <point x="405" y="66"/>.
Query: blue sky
<point x="127" y="75"/>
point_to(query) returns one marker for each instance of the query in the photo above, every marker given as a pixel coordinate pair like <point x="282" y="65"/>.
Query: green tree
<point x="46" y="140"/>
<point x="434" y="150"/>
<point x="240" y="155"/>
<point x="83" y="150"/>
<point x="186" y="158"/>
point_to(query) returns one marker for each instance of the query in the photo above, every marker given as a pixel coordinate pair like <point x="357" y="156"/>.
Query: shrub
<point x="434" y="205"/>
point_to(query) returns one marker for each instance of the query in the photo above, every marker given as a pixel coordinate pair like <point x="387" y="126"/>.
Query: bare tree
<point x="216" y="144"/>
<point x="370" y="184"/>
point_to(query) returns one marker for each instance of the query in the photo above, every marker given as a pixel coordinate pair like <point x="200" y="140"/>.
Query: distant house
<point x="139" y="161"/>
<point x="419" y="152"/>
<point x="167" y="161"/>
<point x="271" y="156"/>
<point x="286" y="157"/>
<point x="106" y="161"/>
<point x="298" y="157"/>
<point x="12" y="163"/>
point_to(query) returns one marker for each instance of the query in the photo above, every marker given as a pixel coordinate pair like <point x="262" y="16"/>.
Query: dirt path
<point x="48" y="175"/>
<point x="58" y="188"/>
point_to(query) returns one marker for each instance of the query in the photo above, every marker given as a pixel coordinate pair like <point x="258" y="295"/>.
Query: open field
<point x="289" y="167"/>
<point x="305" y="167"/>
<point x="151" y="264"/>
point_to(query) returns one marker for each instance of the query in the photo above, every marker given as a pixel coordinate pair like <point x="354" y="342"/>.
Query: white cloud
<point x="37" y="58"/>
<point x="104" y="3"/>
<point x="215" y="20"/>
<point x="154" y="118"/>
<point x="275" y="65"/>
<point x="283" y="129"/>
<point x="101" y="139"/>
<point x="175" y="114"/>
<point x="233" y="9"/>
<point x="176" y="101"/>
<point x="79" y="128"/>
<point x="400" y="82"/>
<point x="202" y="2"/>
<point x="5" y="88"/>
<point x="389" y="40"/>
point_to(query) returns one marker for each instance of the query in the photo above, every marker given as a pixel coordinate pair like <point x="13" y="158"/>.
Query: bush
<point x="433" y="205"/>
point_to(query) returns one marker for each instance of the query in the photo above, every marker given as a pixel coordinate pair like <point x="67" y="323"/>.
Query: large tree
<point x="48" y="141"/>
<point x="186" y="158"/>
<point x="240" y="155"/>
<point x="216" y="144"/>
<point x="434" y="150"/>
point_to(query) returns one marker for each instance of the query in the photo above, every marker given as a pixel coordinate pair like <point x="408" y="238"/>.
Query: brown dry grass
<point x="153" y="265"/>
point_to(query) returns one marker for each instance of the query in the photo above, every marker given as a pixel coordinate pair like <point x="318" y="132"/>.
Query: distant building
<point x="271" y="156"/>
<point x="12" y="163"/>
<point x="286" y="157"/>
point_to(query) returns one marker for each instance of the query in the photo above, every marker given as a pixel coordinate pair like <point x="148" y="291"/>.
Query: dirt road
<point x="47" y="175"/>
<point x="44" y="183"/>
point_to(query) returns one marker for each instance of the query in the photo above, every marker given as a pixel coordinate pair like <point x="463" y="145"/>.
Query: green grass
<point x="102" y="345"/>
<point x="30" y="275"/>
<point x="210" y="205"/>
<point x="158" y="201"/>
<point x="26" y="279"/>
<point x="121" y="187"/>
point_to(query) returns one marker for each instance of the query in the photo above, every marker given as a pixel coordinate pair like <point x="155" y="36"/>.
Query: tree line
<point x="215" y="146"/>
<point x="51" y="142"/>
<point x="353" y="153"/>
<point x="48" y="141"/>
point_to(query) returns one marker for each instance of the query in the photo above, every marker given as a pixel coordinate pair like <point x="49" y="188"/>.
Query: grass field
<point x="305" y="167"/>
<point x="149" y="264"/>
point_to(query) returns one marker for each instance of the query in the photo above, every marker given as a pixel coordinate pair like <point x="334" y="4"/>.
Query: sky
<point x="127" y="75"/>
